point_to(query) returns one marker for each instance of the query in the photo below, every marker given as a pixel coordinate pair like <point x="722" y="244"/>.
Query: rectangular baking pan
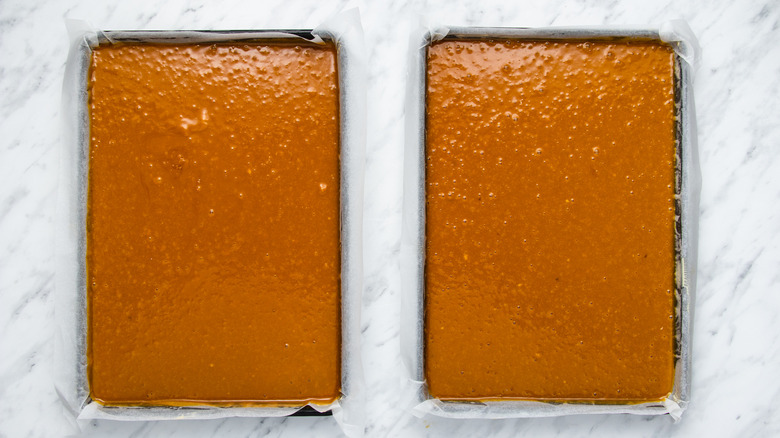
<point x="350" y="262"/>
<point x="687" y="180"/>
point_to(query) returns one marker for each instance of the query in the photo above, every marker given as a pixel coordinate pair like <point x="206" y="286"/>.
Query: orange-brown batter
<point x="550" y="220"/>
<point x="213" y="248"/>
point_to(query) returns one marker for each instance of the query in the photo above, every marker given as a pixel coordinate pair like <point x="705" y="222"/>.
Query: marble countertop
<point x="736" y="345"/>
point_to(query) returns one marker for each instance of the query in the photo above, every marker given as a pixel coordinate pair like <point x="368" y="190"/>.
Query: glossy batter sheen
<point x="213" y="251"/>
<point x="550" y="220"/>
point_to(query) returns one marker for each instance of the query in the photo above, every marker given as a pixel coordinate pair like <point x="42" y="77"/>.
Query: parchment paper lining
<point x="71" y="361"/>
<point x="681" y="38"/>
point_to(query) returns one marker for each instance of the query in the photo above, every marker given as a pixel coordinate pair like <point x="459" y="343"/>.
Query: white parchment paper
<point x="71" y="361"/>
<point x="681" y="38"/>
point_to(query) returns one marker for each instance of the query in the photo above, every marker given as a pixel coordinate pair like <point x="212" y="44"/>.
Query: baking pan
<point x="687" y="179"/>
<point x="72" y="382"/>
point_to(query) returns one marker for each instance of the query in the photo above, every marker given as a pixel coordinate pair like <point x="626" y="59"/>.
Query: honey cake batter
<point x="213" y="251"/>
<point x="550" y="175"/>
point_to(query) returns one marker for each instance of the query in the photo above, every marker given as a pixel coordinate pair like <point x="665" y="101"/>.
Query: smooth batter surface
<point x="550" y="221"/>
<point x="213" y="254"/>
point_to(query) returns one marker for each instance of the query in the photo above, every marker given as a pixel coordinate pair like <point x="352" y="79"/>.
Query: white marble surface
<point x="736" y="359"/>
